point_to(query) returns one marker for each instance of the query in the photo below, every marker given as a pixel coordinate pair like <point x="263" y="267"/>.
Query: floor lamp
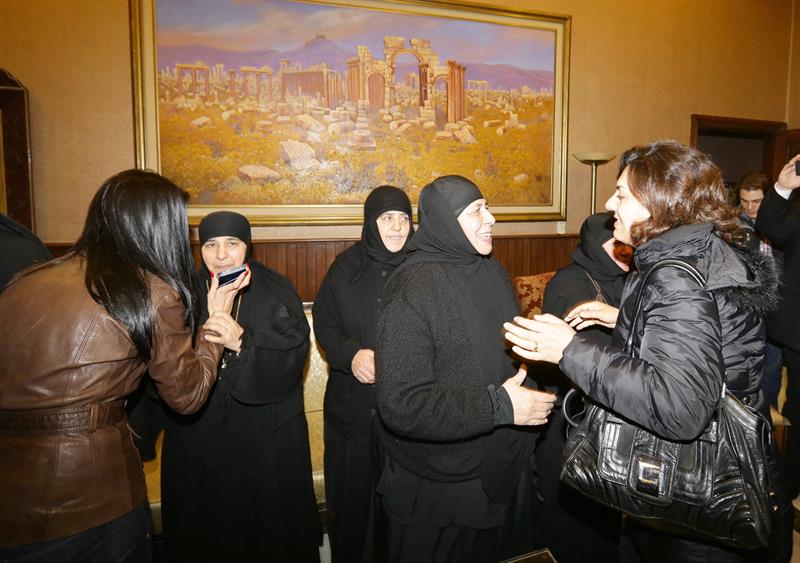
<point x="594" y="159"/>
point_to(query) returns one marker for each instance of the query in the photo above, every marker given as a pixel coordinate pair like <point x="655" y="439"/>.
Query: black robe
<point x="344" y="323"/>
<point x="458" y="484"/>
<point x="236" y="477"/>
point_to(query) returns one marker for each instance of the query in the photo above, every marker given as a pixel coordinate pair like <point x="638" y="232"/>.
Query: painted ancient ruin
<point x="295" y="134"/>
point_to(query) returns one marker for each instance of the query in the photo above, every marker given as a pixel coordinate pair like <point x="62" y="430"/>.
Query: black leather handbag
<point x="714" y="487"/>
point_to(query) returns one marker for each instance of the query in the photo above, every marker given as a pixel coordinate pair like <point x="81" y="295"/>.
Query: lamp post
<point x="594" y="159"/>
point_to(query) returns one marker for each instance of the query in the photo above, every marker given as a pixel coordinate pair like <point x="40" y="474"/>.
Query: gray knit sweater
<point x="432" y="399"/>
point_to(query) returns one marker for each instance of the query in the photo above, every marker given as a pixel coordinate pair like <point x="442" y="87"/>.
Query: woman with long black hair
<point x="77" y="334"/>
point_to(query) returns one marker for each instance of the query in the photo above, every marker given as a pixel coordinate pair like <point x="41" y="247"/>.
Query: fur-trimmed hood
<point x="747" y="277"/>
<point x="760" y="295"/>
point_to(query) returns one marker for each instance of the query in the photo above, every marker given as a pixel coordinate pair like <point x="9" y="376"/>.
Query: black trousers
<point x="791" y="410"/>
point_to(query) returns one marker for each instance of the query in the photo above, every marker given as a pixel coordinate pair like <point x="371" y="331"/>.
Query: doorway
<point x="739" y="146"/>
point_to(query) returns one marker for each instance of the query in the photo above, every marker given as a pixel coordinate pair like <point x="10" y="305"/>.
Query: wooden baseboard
<point x="305" y="262"/>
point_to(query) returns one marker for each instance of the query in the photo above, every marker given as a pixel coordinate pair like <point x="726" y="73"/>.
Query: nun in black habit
<point x="345" y="313"/>
<point x="458" y="480"/>
<point x="236" y="477"/>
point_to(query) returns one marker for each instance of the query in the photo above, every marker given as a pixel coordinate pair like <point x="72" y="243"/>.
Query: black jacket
<point x="345" y="314"/>
<point x="780" y="223"/>
<point x="688" y="340"/>
<point x="19" y="248"/>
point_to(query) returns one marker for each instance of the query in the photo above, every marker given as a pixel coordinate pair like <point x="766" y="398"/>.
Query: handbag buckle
<point x="650" y="475"/>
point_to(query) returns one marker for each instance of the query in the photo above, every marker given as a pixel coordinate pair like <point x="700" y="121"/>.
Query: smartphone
<point x="228" y="276"/>
<point x="797" y="167"/>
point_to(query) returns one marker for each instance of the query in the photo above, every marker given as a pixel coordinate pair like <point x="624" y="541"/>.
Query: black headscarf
<point x="486" y="301"/>
<point x="591" y="256"/>
<point x="379" y="201"/>
<point x="595" y="232"/>
<point x="440" y="237"/>
<point x="225" y="224"/>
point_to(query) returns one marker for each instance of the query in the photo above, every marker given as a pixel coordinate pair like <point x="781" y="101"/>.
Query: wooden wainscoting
<point x="305" y="262"/>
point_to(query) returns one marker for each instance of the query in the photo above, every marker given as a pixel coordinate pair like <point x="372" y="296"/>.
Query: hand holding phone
<point x="789" y="178"/>
<point x="224" y="287"/>
<point x="229" y="276"/>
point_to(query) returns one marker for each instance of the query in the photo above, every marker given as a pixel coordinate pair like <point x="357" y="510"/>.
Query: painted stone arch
<point x="362" y="68"/>
<point x="444" y="77"/>
<point x="392" y="52"/>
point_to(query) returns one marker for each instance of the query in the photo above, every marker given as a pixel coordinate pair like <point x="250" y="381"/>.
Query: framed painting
<point x="292" y="111"/>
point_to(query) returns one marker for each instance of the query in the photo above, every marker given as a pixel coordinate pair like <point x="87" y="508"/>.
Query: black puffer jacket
<point x="688" y="340"/>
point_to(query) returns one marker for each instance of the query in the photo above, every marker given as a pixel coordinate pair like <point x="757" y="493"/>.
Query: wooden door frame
<point x="768" y="131"/>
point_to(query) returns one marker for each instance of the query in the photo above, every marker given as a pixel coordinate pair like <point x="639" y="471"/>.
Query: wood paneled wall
<point x="305" y="262"/>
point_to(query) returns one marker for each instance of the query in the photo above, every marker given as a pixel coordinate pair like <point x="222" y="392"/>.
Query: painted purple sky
<point x="240" y="25"/>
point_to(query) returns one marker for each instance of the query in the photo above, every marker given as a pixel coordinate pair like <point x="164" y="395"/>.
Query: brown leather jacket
<point x="67" y="459"/>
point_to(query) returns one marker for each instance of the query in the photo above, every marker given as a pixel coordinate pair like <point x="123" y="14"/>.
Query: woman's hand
<point x="224" y="331"/>
<point x="363" y="366"/>
<point x="542" y="338"/>
<point x="531" y="407"/>
<point x="220" y="299"/>
<point x="592" y="313"/>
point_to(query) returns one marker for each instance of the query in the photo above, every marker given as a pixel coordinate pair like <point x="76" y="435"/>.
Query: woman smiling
<point x="457" y="485"/>
<point x="688" y="341"/>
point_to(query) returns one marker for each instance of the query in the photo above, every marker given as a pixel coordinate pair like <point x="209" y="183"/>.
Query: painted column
<point x="423" y="83"/>
<point x="232" y="83"/>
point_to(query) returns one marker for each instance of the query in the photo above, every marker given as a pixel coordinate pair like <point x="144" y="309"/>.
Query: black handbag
<point x="714" y="487"/>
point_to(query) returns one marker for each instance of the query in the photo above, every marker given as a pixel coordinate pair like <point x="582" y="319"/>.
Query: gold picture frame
<point x="521" y="151"/>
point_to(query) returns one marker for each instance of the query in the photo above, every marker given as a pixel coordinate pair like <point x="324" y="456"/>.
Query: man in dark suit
<point x="752" y="189"/>
<point x="19" y="248"/>
<point x="779" y="221"/>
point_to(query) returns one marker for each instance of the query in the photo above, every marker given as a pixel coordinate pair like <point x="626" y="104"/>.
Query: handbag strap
<point x="573" y="393"/>
<point x="669" y="262"/>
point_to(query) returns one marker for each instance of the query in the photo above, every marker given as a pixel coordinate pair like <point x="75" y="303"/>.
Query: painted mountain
<point x="321" y="50"/>
<point x="318" y="50"/>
